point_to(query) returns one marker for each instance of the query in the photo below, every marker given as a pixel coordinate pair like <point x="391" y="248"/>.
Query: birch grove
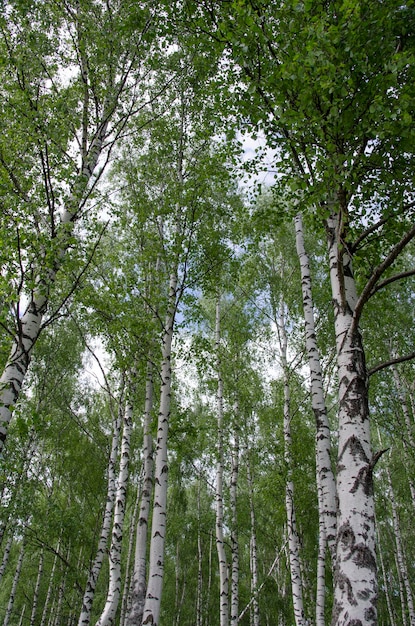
<point x="213" y="202"/>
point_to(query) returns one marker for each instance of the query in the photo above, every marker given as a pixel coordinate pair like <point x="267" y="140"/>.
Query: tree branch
<point x="376" y="274"/>
<point x="382" y="366"/>
<point x="390" y="280"/>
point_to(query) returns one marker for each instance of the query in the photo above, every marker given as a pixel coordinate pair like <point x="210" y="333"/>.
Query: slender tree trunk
<point x="139" y="584"/>
<point x="37" y="589"/>
<point x="126" y="594"/>
<point x="114" y="587"/>
<point x="293" y="539"/>
<point x="199" y="603"/>
<point x="151" y="611"/>
<point x="220" y="544"/>
<point x="50" y="586"/>
<point x="85" y="615"/>
<point x="326" y="485"/>
<point x="234" y="529"/>
<point x="409" y="431"/>
<point x="30" y="322"/>
<point x="6" y="555"/>
<point x="253" y="551"/>
<point x="16" y="578"/>
<point x="386" y="583"/>
<point x="355" y="579"/>
<point x="400" y="556"/>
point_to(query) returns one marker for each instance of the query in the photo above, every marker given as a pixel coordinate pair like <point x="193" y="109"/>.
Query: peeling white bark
<point x="234" y="530"/>
<point x="139" y="584"/>
<point x="107" y="617"/>
<point x="151" y="611"/>
<point x="85" y="615"/>
<point x="355" y="578"/>
<point x="293" y="539"/>
<point x="220" y="544"/>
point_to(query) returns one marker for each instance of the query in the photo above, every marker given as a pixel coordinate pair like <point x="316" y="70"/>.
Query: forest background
<point x="230" y="464"/>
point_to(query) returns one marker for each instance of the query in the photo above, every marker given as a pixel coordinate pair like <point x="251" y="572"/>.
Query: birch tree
<point x="66" y="127"/>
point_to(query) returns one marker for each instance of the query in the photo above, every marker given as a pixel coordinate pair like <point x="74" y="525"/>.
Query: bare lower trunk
<point x="126" y="593"/>
<point x="107" y="617"/>
<point x="85" y="616"/>
<point x="6" y="555"/>
<point x="16" y="578"/>
<point x="234" y="531"/>
<point x="152" y="605"/>
<point x="253" y="552"/>
<point x="50" y="586"/>
<point x="37" y="589"/>
<point x="355" y="578"/>
<point x="293" y="539"/>
<point x="220" y="544"/>
<point x="139" y="584"/>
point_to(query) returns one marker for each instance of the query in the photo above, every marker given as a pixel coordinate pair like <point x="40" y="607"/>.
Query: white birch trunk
<point x="409" y="432"/>
<point x="293" y="539"/>
<point x="15" y="370"/>
<point x="6" y="555"/>
<point x="253" y="551"/>
<point x="220" y="544"/>
<point x="326" y="485"/>
<point x="386" y="582"/>
<point x="234" y="530"/>
<point x="35" y="600"/>
<point x="85" y="615"/>
<point x="199" y="612"/>
<point x="139" y="584"/>
<point x="151" y="611"/>
<point x="50" y="586"/>
<point x="16" y="578"/>
<point x="355" y="577"/>
<point x="400" y="556"/>
<point x="107" y="617"/>
<point x="126" y="595"/>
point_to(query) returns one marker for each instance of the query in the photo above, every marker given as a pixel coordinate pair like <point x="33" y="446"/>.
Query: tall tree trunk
<point x="50" y="585"/>
<point x="6" y="555"/>
<point x="220" y="544"/>
<point x="85" y="615"/>
<point x="253" y="551"/>
<point x="326" y="485"/>
<point x="293" y="539"/>
<point x="199" y="597"/>
<point x="409" y="438"/>
<point x="400" y="555"/>
<point x="126" y="594"/>
<point x="35" y="600"/>
<point x="234" y="530"/>
<point x="30" y="322"/>
<point x="386" y="582"/>
<point x="16" y="578"/>
<point x="355" y="577"/>
<point x="138" y="590"/>
<point x="151" y="611"/>
<point x="107" y="617"/>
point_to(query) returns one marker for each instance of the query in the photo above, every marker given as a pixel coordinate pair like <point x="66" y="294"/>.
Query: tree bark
<point x="355" y="576"/>
<point x="139" y="584"/>
<point x="107" y="617"/>
<point x="35" y="600"/>
<point x="152" y="604"/>
<point x="220" y="544"/>
<point x="234" y="530"/>
<point x="293" y="539"/>
<point x="326" y="485"/>
<point x="85" y="615"/>
<point x="16" y="578"/>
